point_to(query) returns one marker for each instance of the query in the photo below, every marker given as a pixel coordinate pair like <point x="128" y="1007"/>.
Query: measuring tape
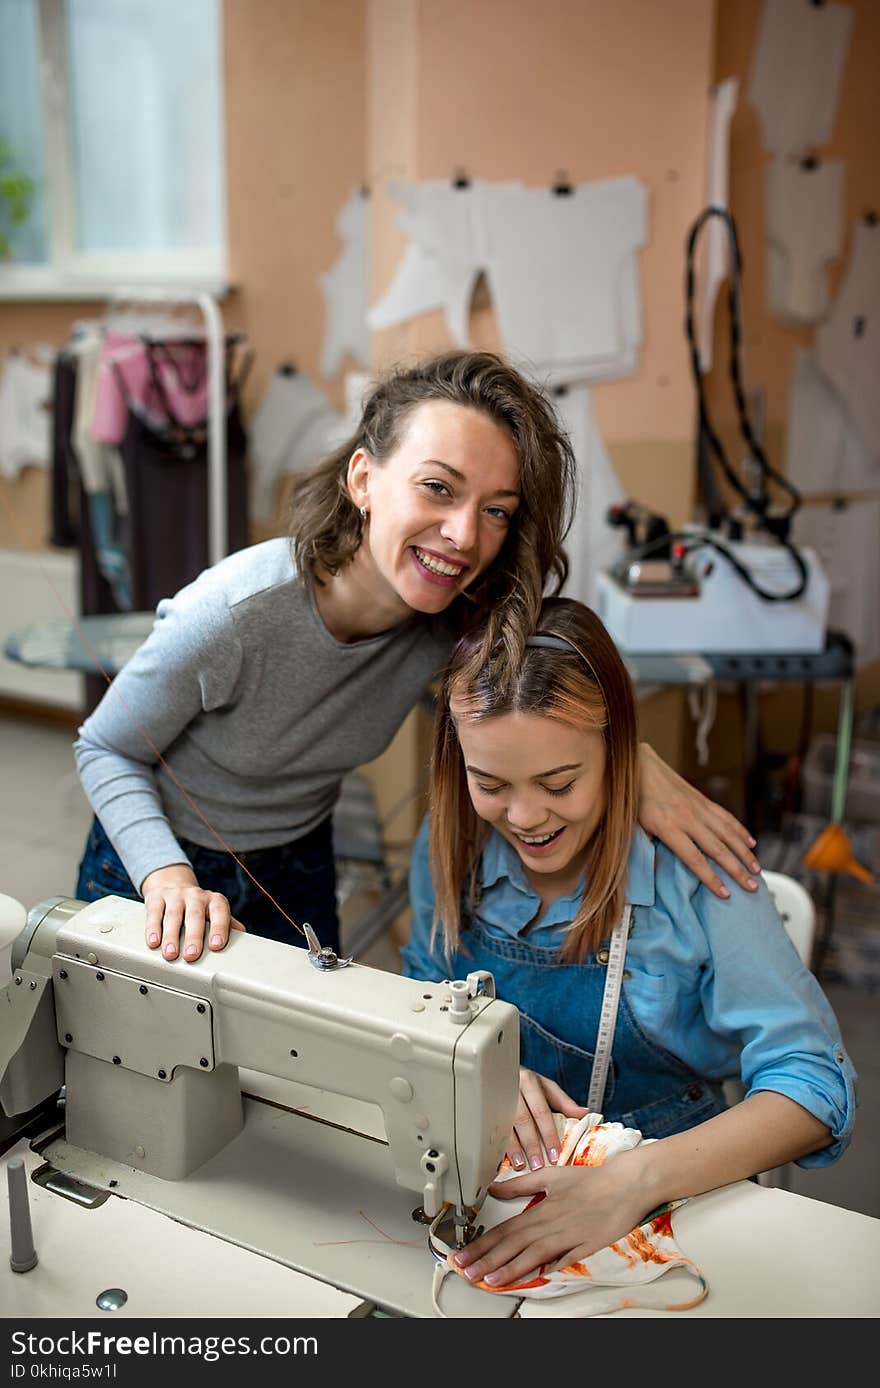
<point x="608" y="1012"/>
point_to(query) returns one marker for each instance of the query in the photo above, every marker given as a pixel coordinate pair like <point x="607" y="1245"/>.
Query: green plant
<point x="16" y="196"/>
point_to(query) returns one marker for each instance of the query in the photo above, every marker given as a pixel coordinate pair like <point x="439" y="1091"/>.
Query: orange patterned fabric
<point x="613" y="1275"/>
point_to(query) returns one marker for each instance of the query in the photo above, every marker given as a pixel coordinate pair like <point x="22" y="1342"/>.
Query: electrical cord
<point x="691" y="540"/>
<point x="778" y="526"/>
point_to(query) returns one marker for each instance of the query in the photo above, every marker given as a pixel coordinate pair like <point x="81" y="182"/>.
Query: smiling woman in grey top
<point x="223" y="690"/>
<point x="288" y="664"/>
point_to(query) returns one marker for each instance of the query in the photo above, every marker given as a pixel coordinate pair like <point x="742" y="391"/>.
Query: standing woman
<point x="535" y="863"/>
<point x="289" y="663"/>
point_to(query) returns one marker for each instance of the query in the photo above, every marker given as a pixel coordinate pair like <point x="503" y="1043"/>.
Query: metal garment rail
<point x="218" y="537"/>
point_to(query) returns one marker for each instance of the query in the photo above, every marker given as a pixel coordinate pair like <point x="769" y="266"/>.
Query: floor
<point x="43" y="821"/>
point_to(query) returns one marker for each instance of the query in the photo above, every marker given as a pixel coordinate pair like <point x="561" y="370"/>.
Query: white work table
<point x="764" y="1253"/>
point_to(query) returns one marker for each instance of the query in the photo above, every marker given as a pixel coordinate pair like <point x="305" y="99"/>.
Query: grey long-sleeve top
<point x="256" y="708"/>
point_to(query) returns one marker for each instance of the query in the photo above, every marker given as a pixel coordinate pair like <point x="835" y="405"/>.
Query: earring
<point x="363" y="514"/>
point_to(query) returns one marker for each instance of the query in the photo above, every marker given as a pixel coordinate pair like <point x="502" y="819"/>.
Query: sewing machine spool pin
<point x="322" y="957"/>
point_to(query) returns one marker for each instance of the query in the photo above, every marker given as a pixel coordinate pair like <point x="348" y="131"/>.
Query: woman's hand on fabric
<point x="534" y="1129"/>
<point x="175" y="902"/>
<point x="579" y="1209"/>
<point x="693" y="827"/>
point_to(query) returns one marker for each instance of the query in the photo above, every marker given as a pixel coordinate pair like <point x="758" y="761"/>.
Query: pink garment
<point x="126" y="377"/>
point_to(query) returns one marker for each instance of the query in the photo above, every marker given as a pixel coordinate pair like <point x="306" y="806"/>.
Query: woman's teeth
<point x="437" y="566"/>
<point x="538" y="840"/>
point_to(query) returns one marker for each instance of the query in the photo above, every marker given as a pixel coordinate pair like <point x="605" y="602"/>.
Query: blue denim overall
<point x="559" y="1005"/>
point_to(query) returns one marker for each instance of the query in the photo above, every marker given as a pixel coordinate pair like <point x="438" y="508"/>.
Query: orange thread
<point x="399" y="1243"/>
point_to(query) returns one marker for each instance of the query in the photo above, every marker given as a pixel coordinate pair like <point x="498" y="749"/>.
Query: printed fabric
<point x="614" y="1276"/>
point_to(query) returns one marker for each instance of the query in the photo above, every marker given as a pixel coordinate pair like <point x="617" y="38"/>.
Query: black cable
<point x="693" y="540"/>
<point x="778" y="527"/>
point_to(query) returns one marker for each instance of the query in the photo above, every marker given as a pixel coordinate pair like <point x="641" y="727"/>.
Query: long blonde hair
<point x="580" y="680"/>
<point x="326" y="530"/>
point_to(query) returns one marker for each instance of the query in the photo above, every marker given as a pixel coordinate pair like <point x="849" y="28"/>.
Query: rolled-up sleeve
<point x="757" y="989"/>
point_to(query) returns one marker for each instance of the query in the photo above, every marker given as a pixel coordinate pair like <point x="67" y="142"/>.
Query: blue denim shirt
<point x="716" y="984"/>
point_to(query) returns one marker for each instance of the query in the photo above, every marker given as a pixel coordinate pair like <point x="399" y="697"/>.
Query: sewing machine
<point x="151" y="1056"/>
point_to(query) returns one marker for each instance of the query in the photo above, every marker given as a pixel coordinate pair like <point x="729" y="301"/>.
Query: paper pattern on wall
<point x="848" y="343"/>
<point x="844" y="535"/>
<point x="804" y="223"/>
<point x="824" y="451"/>
<point x="562" y="271"/>
<point x="715" y="264"/>
<point x="797" y="67"/>
<point x="345" y="289"/>
<point x="591" y="544"/>
<point x="564" y="276"/>
<point x="293" y="427"/>
<point x="442" y="260"/>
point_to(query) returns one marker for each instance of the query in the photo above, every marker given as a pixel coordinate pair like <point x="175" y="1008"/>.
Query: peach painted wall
<point x="523" y="89"/>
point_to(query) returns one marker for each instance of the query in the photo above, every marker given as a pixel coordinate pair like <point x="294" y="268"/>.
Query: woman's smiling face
<point x="439" y="508"/>
<point x="541" y="784"/>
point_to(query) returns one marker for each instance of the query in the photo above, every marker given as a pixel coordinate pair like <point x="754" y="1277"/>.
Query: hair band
<point x="552" y="642"/>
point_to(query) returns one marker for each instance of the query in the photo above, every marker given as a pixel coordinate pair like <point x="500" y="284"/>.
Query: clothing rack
<point x="210" y="309"/>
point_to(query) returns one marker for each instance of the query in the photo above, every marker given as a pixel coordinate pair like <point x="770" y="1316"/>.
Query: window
<point x="114" y="113"/>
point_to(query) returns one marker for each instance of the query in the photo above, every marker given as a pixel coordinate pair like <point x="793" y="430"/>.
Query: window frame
<point x="81" y="275"/>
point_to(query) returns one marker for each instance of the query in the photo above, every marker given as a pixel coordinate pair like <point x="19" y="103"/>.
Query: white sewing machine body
<point x="712" y="609"/>
<point x="150" y="1055"/>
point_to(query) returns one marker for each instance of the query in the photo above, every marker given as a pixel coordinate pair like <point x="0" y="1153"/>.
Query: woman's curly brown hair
<point x="326" y="530"/>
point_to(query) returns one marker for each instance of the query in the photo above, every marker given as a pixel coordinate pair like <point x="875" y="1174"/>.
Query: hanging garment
<point x="804" y="201"/>
<point x="166" y="476"/>
<point x="95" y="595"/>
<point x="25" y="406"/>
<point x="99" y="463"/>
<point x="824" y="452"/>
<point x="797" y="67"/>
<point x="563" y="274"/>
<point x="345" y="289"/>
<point x="101" y="471"/>
<point x="64" y="484"/>
<point x="591" y="544"/>
<point x="716" y="245"/>
<point x="617" y="1275"/>
<point x="848" y="343"/>
<point x="293" y="427"/>
<point x="161" y="381"/>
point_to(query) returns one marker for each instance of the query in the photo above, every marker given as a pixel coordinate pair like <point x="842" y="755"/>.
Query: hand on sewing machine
<point x="174" y="899"/>
<point x="578" y="1210"/>
<point x="534" y="1129"/>
<point x="692" y="827"/>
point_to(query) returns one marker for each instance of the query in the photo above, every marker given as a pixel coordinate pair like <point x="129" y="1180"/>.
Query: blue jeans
<point x="301" y="876"/>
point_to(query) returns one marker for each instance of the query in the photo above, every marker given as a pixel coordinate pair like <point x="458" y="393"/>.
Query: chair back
<point x="795" y="906"/>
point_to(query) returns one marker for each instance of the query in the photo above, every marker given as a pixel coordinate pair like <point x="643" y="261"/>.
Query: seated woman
<point x="532" y="860"/>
